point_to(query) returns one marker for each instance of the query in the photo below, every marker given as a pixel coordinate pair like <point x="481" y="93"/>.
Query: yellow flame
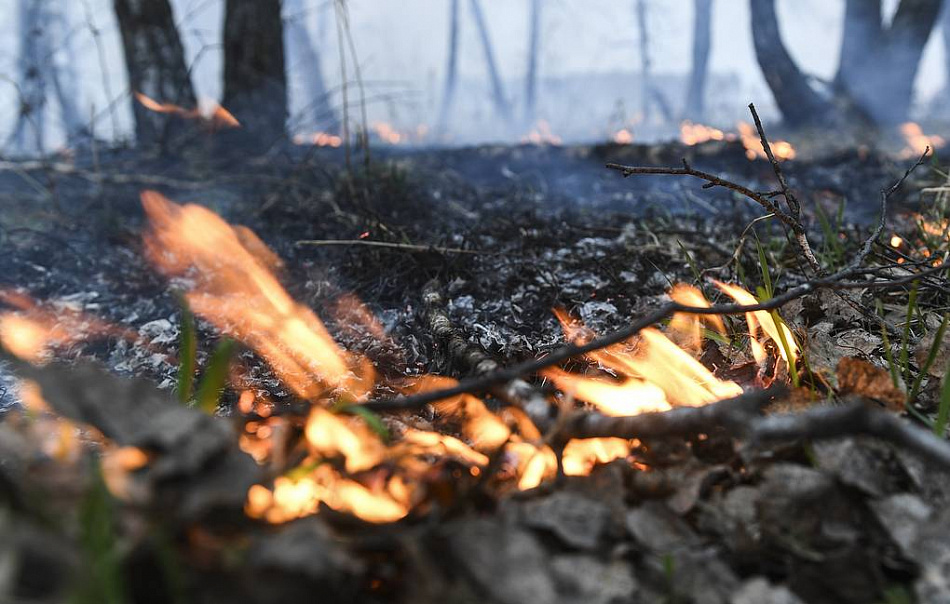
<point x="760" y="319"/>
<point x="694" y="134"/>
<point x="782" y="150"/>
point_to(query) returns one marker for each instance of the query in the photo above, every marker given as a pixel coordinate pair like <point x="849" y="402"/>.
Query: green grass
<point x="215" y="377"/>
<point x="187" y="353"/>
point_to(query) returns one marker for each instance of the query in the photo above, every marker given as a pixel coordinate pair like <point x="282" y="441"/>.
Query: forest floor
<point x="506" y="234"/>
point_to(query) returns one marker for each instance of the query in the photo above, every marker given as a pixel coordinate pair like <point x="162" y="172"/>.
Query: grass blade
<point x="931" y="357"/>
<point x="215" y="377"/>
<point x="187" y="354"/>
<point x="764" y="266"/>
<point x="372" y="420"/>
<point x="905" y="336"/>
<point x="943" y="412"/>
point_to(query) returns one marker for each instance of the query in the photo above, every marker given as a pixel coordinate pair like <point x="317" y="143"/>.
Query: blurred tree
<point x="255" y="84"/>
<point x="44" y="59"/>
<point x="534" y="48"/>
<point x="877" y="68"/>
<point x="155" y="62"/>
<point x="451" y="68"/>
<point x="498" y="91"/>
<point x="303" y="58"/>
<point x="695" y="106"/>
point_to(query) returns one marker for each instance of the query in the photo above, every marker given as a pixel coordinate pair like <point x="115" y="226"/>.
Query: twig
<point x="568" y="351"/>
<point x="411" y="247"/>
<point x="825" y="422"/>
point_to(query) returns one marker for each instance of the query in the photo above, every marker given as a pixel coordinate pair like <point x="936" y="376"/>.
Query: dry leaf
<point x="856" y="376"/>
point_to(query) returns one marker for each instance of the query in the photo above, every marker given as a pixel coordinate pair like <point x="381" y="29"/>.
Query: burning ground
<point x="303" y="314"/>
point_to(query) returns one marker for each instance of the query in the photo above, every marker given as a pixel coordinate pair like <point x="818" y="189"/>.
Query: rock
<point x="758" y="591"/>
<point x="657" y="528"/>
<point x="583" y="579"/>
<point x="903" y="516"/>
<point x="578" y="521"/>
<point x="864" y="464"/>
<point x="504" y="562"/>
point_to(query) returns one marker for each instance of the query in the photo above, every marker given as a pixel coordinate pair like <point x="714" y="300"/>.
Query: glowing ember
<point x="694" y="134"/>
<point x="782" y="150"/>
<point x="896" y="241"/>
<point x="917" y="141"/>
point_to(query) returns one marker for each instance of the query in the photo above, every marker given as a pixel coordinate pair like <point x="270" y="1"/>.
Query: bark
<point x="451" y="68"/>
<point x="695" y="106"/>
<point x="799" y="103"/>
<point x="498" y="92"/>
<point x="531" y="78"/>
<point x="255" y="84"/>
<point x="878" y="65"/>
<point x="155" y="62"/>
<point x="302" y="50"/>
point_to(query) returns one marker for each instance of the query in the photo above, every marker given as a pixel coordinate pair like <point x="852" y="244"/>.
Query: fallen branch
<point x="409" y="247"/>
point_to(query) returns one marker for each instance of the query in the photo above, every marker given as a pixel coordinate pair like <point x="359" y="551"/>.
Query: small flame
<point x="686" y="328"/>
<point x="319" y="139"/>
<point x="782" y="150"/>
<point x="541" y="134"/>
<point x="387" y="133"/>
<point x="694" y="134"/>
<point x="918" y="142"/>
<point x="760" y="319"/>
<point x="896" y="241"/>
<point x="656" y="375"/>
<point x="622" y="137"/>
<point x="212" y="115"/>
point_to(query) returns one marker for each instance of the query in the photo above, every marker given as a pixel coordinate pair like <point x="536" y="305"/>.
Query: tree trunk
<point x="945" y="33"/>
<point x="255" y="84"/>
<point x="878" y="66"/>
<point x="30" y="130"/>
<point x="799" y="103"/>
<point x="155" y="61"/>
<point x="300" y="45"/>
<point x="451" y="67"/>
<point x="695" y="106"/>
<point x="531" y="77"/>
<point x="62" y="70"/>
<point x="646" y="85"/>
<point x="498" y="92"/>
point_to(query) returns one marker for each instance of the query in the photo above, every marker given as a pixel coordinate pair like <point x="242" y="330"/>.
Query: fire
<point x="228" y="272"/>
<point x="763" y="320"/>
<point x="918" y="142"/>
<point x="320" y="139"/>
<point x="622" y="137"/>
<point x="209" y="113"/>
<point x="782" y="150"/>
<point x="387" y="133"/>
<point x="655" y="375"/>
<point x="896" y="241"/>
<point x="541" y="134"/>
<point x="687" y="328"/>
<point x="694" y="134"/>
<point x="33" y="330"/>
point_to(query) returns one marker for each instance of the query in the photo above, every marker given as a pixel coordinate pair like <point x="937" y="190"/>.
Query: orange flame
<point x="232" y="286"/>
<point x="541" y="134"/>
<point x="782" y="150"/>
<point x="694" y="134"/>
<point x="213" y="116"/>
<point x="760" y="319"/>
<point x="917" y="141"/>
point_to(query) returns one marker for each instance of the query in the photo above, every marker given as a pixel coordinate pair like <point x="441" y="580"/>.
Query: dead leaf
<point x="856" y="376"/>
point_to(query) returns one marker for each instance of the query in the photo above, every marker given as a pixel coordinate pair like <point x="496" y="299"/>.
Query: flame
<point x="387" y="133"/>
<point x="760" y="319"/>
<point x="622" y="137"/>
<point x="212" y="115"/>
<point x="896" y="241"/>
<point x="33" y="330"/>
<point x="687" y="328"/>
<point x="656" y="366"/>
<point x="782" y="150"/>
<point x="694" y="134"/>
<point x="541" y="134"/>
<point x="581" y="455"/>
<point x="918" y="142"/>
<point x="231" y="285"/>
<point x="320" y="139"/>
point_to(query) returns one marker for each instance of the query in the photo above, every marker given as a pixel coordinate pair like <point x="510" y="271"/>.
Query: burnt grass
<point x="846" y="520"/>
